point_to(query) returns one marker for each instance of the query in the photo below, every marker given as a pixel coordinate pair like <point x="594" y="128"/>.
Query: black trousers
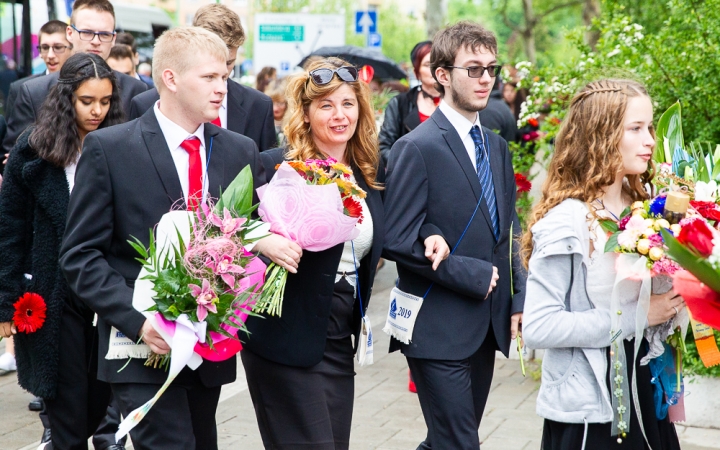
<point x="453" y="395"/>
<point x="183" y="418"/>
<point x="81" y="400"/>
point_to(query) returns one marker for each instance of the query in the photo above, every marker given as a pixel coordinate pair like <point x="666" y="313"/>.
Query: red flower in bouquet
<point x="353" y="208"/>
<point x="29" y="313"/>
<point x="533" y="122"/>
<point x="708" y="210"/>
<point x="697" y="235"/>
<point x="522" y="183"/>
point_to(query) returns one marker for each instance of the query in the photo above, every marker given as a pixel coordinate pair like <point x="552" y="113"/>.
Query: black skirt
<point x="660" y="433"/>
<point x="301" y="408"/>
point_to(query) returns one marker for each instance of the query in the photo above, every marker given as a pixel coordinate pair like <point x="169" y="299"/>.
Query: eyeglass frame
<point x="334" y="72"/>
<point x="95" y="33"/>
<point x="497" y="68"/>
<point x="55" y="48"/>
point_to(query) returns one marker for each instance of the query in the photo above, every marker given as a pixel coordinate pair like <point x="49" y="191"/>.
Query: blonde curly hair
<point x="587" y="157"/>
<point x="362" y="148"/>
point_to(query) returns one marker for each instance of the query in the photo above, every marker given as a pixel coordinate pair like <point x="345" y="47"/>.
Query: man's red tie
<point x="192" y="146"/>
<point x="217" y="122"/>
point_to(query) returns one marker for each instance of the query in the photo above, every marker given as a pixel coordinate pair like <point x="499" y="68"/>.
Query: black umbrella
<point x="359" y="56"/>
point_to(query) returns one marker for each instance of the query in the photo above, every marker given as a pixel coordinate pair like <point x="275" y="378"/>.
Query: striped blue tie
<point x="485" y="176"/>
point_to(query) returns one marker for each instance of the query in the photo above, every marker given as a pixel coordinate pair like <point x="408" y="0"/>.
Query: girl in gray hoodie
<point x="601" y="164"/>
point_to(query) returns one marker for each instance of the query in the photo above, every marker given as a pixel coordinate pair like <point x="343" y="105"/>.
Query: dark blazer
<point x="250" y="113"/>
<point x="401" y="117"/>
<point x="13" y="92"/>
<point x="32" y="94"/>
<point x="432" y="188"/>
<point x="126" y="180"/>
<point x="297" y="338"/>
<point x="33" y="206"/>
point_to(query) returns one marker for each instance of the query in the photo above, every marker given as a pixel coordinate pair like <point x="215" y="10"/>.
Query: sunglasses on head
<point x="323" y="76"/>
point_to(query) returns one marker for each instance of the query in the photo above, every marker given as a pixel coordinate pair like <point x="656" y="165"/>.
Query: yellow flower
<point x="341" y="168"/>
<point x="656" y="253"/>
<point x="661" y="223"/>
<point x="649" y="232"/>
<point x="675" y="228"/>
<point x="643" y="246"/>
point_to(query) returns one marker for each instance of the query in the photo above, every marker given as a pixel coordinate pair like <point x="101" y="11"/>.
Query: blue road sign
<point x="365" y="21"/>
<point x="374" y="40"/>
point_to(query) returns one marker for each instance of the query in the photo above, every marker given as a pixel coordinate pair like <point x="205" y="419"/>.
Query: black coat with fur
<point x="33" y="206"/>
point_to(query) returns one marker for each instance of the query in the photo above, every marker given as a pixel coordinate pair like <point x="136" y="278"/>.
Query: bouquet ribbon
<point x="704" y="304"/>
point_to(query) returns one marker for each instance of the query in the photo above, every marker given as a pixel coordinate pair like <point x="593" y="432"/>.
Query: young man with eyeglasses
<point x="463" y="189"/>
<point x="244" y="110"/>
<point x="91" y="30"/>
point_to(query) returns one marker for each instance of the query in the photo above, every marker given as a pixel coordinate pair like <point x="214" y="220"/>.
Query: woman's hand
<point x="664" y="307"/>
<point x="436" y="250"/>
<point x="7" y="329"/>
<point x="281" y="251"/>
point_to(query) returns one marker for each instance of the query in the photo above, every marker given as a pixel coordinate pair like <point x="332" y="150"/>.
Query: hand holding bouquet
<point x="313" y="203"/>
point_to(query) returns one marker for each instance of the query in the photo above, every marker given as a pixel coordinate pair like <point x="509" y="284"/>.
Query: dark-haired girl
<point x="55" y="361"/>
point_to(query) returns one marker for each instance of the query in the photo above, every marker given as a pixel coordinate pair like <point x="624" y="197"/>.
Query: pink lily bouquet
<point x="197" y="285"/>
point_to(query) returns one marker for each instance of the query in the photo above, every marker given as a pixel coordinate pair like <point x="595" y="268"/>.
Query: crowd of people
<point x="97" y="152"/>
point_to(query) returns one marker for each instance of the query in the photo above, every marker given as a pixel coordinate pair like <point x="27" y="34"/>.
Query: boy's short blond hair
<point x="176" y="49"/>
<point x="221" y="20"/>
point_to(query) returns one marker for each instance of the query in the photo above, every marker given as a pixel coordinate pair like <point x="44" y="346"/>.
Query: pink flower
<point x="228" y="224"/>
<point x="223" y="265"/>
<point x="665" y="266"/>
<point x="205" y="298"/>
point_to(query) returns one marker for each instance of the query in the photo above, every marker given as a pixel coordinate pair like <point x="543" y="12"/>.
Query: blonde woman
<point x="600" y="166"/>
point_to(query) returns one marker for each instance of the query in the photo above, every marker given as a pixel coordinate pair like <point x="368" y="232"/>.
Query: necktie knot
<point x="191" y="145"/>
<point x="476" y="135"/>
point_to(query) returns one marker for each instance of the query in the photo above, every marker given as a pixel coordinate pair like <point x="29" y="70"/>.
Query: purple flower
<point x="205" y="298"/>
<point x="223" y="265"/>
<point x="228" y="224"/>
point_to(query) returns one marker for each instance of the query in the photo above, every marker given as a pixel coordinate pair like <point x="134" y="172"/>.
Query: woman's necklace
<point x="436" y="100"/>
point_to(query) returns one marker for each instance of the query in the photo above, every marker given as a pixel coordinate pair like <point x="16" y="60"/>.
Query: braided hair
<point x="587" y="156"/>
<point x="56" y="138"/>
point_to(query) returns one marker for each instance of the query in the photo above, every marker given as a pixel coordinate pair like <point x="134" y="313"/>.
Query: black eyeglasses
<point x="89" y="35"/>
<point x="479" y="71"/>
<point x="57" y="48"/>
<point x="323" y="76"/>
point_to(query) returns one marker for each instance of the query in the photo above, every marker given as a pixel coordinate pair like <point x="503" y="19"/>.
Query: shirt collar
<point x="174" y="133"/>
<point x="224" y="102"/>
<point x="457" y="120"/>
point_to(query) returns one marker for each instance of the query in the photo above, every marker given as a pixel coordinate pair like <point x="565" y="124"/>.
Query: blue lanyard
<point x="207" y="167"/>
<point x="357" y="281"/>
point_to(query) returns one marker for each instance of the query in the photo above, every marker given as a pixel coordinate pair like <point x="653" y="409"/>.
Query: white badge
<point x="365" y="349"/>
<point x="402" y="313"/>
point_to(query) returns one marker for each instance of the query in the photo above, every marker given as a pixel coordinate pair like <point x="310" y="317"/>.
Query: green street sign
<point x="282" y="33"/>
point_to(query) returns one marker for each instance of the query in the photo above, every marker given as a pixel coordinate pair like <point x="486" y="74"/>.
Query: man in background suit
<point x="437" y="175"/>
<point x="128" y="39"/>
<point x="129" y="176"/>
<point x="91" y="30"/>
<point x="244" y="110"/>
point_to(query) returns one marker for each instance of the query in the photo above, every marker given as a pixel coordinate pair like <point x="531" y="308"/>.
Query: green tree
<point x="400" y="32"/>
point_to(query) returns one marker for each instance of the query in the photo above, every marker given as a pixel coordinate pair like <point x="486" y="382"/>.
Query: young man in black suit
<point x="245" y="110"/>
<point x="91" y="30"/>
<point x="438" y="175"/>
<point x="129" y="176"/>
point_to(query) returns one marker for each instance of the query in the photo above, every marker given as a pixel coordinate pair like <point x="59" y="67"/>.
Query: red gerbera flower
<point x="522" y="183"/>
<point x="353" y="208"/>
<point x="29" y="313"/>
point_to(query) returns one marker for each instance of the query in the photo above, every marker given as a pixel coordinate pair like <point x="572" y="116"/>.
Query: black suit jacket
<point x="297" y="338"/>
<point x="13" y="92"/>
<point x="432" y="188"/>
<point x="32" y="94"/>
<point x="250" y="113"/>
<point x="126" y="180"/>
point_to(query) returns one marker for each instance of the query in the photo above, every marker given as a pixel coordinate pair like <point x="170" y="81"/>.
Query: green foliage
<point x="400" y="32"/>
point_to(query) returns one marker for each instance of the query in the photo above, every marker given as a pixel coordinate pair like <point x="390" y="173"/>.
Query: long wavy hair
<point x="587" y="156"/>
<point x="362" y="148"/>
<point x="56" y="138"/>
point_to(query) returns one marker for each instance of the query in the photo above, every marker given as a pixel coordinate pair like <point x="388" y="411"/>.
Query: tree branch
<point x="558" y="7"/>
<point x="503" y="13"/>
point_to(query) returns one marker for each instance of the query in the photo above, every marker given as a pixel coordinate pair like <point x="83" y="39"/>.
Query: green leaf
<point x="238" y="194"/>
<point x="697" y="265"/>
<point x="669" y="134"/>
<point x="612" y="243"/>
<point x="609" y="226"/>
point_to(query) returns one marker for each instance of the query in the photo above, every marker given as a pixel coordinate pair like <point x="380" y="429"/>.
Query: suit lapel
<point x="458" y="148"/>
<point x="236" y="114"/>
<point x="214" y="155"/>
<point x="374" y="204"/>
<point x="496" y="166"/>
<point x="160" y="154"/>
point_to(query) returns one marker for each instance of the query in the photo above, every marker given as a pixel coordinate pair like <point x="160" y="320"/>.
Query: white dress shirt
<point x="174" y="136"/>
<point x="223" y="109"/>
<point x="463" y="127"/>
<point x="70" y="175"/>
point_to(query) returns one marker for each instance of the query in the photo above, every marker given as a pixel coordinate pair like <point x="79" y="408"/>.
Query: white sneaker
<point x="7" y="362"/>
<point x="43" y="445"/>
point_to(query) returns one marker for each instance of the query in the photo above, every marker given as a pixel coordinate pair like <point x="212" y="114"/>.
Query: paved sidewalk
<point x="386" y="415"/>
